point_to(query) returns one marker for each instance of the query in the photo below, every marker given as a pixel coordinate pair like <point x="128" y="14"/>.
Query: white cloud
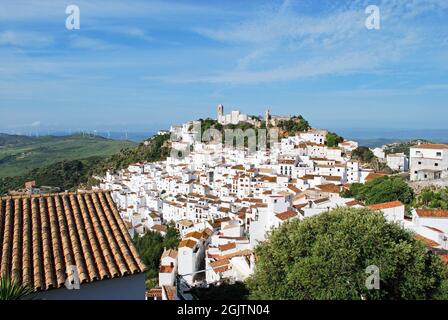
<point x="89" y="43"/>
<point x="25" y="39"/>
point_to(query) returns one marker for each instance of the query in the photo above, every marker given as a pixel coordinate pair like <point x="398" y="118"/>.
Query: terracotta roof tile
<point x="386" y="205"/>
<point x="432" y="213"/>
<point x="374" y="175"/>
<point x="41" y="236"/>
<point x="170" y="292"/>
<point x="286" y="215"/>
<point x="431" y="146"/>
<point x="227" y="246"/>
<point x="430" y="243"/>
<point x="187" y="243"/>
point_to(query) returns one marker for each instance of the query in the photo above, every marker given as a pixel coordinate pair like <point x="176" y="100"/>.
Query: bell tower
<point x="267" y="118"/>
<point x="220" y="110"/>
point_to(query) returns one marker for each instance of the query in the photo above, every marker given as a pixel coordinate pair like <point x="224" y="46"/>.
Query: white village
<point x="225" y="200"/>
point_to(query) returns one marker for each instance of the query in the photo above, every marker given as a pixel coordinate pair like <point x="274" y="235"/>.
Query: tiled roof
<point x="170" y="253"/>
<point x="330" y="188"/>
<point x="294" y="188"/>
<point x="220" y="263"/>
<point x="431" y="146"/>
<point x="166" y="269"/>
<point x="430" y="243"/>
<point x="373" y="175"/>
<point x="159" y="228"/>
<point x="170" y="292"/>
<point x="41" y="236"/>
<point x="432" y="213"/>
<point x="154" y="293"/>
<point x="386" y="205"/>
<point x="353" y="203"/>
<point x="187" y="243"/>
<point x="227" y="246"/>
<point x="193" y="234"/>
<point x="286" y="215"/>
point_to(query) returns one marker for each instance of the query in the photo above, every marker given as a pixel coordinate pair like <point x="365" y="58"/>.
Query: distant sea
<point x="365" y="136"/>
<point x="115" y="135"/>
<point x="379" y="137"/>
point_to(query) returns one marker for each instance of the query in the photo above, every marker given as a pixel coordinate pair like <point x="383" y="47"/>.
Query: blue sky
<point x="144" y="66"/>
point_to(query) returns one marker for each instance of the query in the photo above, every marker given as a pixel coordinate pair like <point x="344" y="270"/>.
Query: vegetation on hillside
<point x="150" y="248"/>
<point x="23" y="154"/>
<point x="294" y="125"/>
<point x="326" y="256"/>
<point x="363" y="154"/>
<point x="157" y="149"/>
<point x="65" y="175"/>
<point x="403" y="147"/>
<point x="333" y="139"/>
<point x="70" y="174"/>
<point x="366" y="156"/>
<point x="432" y="198"/>
<point x="381" y="190"/>
<point x="14" y="140"/>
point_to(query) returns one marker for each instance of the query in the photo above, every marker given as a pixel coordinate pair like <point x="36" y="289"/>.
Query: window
<point x="439" y="154"/>
<point x="419" y="162"/>
<point x="436" y="164"/>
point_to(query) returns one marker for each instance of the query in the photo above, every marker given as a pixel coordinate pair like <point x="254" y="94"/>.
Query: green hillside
<point x="19" y="154"/>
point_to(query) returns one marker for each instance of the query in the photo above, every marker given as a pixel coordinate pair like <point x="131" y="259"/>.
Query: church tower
<point x="220" y="113"/>
<point x="267" y="118"/>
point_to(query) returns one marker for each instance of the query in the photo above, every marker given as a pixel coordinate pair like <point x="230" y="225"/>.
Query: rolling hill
<point x="21" y="154"/>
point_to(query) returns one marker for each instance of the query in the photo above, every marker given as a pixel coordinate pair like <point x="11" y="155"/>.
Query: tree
<point x="381" y="190"/>
<point x="363" y="154"/>
<point x="294" y="124"/>
<point x="11" y="290"/>
<point x="432" y="198"/>
<point x="333" y="139"/>
<point x="150" y="248"/>
<point x="326" y="256"/>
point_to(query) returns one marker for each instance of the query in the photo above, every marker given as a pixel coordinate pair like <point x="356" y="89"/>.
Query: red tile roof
<point x="286" y="215"/>
<point x="170" y="292"/>
<point x="227" y="246"/>
<point x="187" y="243"/>
<point x="431" y="146"/>
<point x="386" y="205"/>
<point x="166" y="269"/>
<point x="430" y="243"/>
<point x="41" y="236"/>
<point x="374" y="175"/>
<point x="294" y="188"/>
<point x="427" y="213"/>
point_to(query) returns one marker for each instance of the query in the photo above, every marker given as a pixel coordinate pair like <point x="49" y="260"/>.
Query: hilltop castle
<point x="235" y="117"/>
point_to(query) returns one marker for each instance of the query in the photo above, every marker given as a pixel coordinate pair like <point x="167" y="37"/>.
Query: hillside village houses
<point x="429" y="162"/>
<point x="224" y="200"/>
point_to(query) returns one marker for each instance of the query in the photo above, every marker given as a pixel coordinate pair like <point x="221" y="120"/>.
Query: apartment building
<point x="429" y="162"/>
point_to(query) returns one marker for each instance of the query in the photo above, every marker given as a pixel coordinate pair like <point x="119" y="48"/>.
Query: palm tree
<point x="11" y="290"/>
